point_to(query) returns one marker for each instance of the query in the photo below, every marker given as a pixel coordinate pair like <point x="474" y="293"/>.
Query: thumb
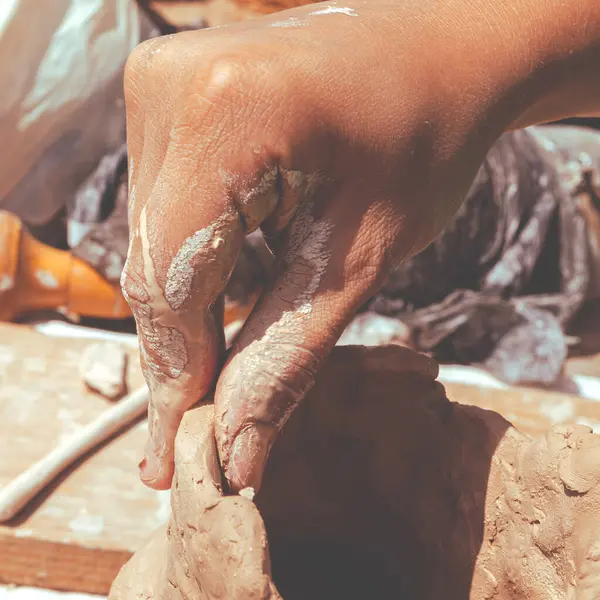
<point x="327" y="266"/>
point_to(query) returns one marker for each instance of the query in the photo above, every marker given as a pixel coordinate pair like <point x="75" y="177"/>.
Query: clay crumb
<point x="46" y="279"/>
<point x="247" y="492"/>
<point x="103" y="368"/>
<point x="6" y="283"/>
<point x="232" y="330"/>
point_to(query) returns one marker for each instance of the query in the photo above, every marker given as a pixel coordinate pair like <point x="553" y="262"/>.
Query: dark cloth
<point x="103" y="200"/>
<point x="503" y="281"/>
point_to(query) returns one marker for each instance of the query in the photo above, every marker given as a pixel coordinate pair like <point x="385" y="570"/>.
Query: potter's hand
<point x="349" y="133"/>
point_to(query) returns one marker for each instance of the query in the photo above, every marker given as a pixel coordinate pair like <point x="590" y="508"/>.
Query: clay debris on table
<point x="79" y="531"/>
<point x="103" y="368"/>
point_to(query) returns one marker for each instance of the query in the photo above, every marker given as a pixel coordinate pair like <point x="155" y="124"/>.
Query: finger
<point x="175" y="272"/>
<point x="185" y="236"/>
<point x="217" y="180"/>
<point x="331" y="261"/>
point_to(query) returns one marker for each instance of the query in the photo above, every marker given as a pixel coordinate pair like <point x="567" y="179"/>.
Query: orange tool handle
<point x="35" y="276"/>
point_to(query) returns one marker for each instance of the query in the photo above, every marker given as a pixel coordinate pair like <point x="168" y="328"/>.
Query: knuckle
<point x="148" y="58"/>
<point x="240" y="83"/>
<point x="281" y="372"/>
<point x="152" y="72"/>
<point x="132" y="285"/>
<point x="211" y="103"/>
<point x="164" y="407"/>
<point x="226" y="74"/>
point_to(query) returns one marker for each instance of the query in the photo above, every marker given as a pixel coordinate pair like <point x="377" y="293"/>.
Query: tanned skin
<point x="349" y="132"/>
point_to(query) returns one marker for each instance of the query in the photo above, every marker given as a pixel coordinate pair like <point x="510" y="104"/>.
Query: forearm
<point x="478" y="67"/>
<point x="538" y="61"/>
<point x="512" y="64"/>
<point x="566" y="77"/>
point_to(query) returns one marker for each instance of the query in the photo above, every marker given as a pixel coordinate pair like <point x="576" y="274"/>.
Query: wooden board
<point x="532" y="411"/>
<point x="77" y="535"/>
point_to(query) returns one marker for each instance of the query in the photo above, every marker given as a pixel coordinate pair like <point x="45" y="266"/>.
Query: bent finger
<point x="330" y="262"/>
<point x="189" y="216"/>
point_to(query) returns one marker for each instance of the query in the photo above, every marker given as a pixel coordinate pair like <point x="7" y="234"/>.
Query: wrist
<point x="523" y="62"/>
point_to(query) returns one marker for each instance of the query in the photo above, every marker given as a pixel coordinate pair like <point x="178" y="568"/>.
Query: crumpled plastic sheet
<point x="503" y="281"/>
<point x="60" y="62"/>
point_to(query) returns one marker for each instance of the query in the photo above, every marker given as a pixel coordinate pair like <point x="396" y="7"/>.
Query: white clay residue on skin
<point x="266" y="183"/>
<point x="296" y="179"/>
<point x="308" y="243"/>
<point x="181" y="271"/>
<point x="306" y="262"/>
<point x="158" y="340"/>
<point x="290" y="23"/>
<point x="334" y="10"/>
<point x="260" y="192"/>
<point x="130" y="171"/>
<point x="87" y="524"/>
<point x="47" y="279"/>
<point x="135" y="234"/>
<point x="151" y="283"/>
<point x="253" y="202"/>
<point x="248" y="493"/>
<point x="6" y="283"/>
<point x="131" y="203"/>
<point x="308" y="246"/>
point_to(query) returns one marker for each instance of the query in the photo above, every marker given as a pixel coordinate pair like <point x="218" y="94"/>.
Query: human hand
<point x="349" y="135"/>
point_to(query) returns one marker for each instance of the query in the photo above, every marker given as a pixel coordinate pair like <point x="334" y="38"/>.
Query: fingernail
<point x="248" y="457"/>
<point x="149" y="466"/>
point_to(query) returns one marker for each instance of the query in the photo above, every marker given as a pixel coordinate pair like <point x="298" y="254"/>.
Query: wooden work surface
<point x="532" y="411"/>
<point x="76" y="535"/>
<point x="214" y="12"/>
<point x="79" y="533"/>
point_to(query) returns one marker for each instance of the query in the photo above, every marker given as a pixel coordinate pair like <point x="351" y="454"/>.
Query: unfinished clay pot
<point x="379" y="487"/>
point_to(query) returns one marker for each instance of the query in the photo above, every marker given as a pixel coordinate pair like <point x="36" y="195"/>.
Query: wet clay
<point x="380" y="487"/>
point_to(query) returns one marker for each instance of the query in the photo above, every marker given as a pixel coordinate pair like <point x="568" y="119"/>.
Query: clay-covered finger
<point x="174" y="275"/>
<point x="192" y="202"/>
<point x="329" y="262"/>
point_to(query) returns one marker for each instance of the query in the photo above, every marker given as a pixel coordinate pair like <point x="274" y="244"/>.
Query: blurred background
<point x="514" y="322"/>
